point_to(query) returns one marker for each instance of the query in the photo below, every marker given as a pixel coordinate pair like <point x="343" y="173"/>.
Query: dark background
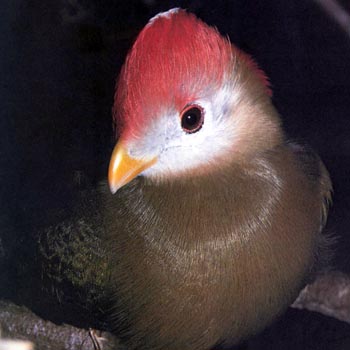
<point x="58" y="64"/>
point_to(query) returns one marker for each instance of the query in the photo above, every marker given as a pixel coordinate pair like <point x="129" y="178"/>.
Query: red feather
<point x="175" y="59"/>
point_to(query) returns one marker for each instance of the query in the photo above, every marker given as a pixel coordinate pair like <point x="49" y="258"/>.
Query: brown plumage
<point x="207" y="252"/>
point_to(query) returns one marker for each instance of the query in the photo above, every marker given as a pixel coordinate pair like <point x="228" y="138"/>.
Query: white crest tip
<point x="165" y="14"/>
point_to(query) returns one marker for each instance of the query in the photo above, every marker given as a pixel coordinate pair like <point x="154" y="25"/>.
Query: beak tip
<point x="113" y="189"/>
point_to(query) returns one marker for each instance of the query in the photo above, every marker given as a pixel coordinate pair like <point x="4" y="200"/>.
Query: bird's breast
<point x="210" y="259"/>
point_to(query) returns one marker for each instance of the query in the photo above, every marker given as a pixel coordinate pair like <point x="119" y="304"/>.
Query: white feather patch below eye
<point x="181" y="151"/>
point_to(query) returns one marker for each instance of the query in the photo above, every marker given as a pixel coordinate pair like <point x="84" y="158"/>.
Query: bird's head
<point x="187" y="101"/>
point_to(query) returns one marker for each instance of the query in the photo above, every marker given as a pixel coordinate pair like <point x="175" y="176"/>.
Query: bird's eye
<point x="192" y="119"/>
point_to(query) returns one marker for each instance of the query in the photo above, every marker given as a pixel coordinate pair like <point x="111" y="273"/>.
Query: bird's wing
<point x="314" y="169"/>
<point x="317" y="174"/>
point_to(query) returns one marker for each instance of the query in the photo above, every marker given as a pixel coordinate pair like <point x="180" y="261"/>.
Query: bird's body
<point x="218" y="236"/>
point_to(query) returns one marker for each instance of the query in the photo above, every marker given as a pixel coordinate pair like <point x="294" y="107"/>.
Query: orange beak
<point x="123" y="168"/>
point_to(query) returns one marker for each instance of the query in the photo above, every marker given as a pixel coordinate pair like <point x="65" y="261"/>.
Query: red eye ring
<point x="192" y="118"/>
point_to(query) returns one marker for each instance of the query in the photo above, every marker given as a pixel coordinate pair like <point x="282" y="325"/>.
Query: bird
<point x="215" y="218"/>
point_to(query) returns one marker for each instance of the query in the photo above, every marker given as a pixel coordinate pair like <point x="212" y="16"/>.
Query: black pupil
<point x="191" y="119"/>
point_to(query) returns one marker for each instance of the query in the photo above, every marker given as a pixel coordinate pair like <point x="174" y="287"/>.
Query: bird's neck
<point x="204" y="209"/>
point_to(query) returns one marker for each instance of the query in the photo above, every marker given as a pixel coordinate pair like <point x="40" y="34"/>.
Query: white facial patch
<point x="178" y="151"/>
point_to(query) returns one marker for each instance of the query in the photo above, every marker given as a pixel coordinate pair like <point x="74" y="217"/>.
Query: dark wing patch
<point x="317" y="173"/>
